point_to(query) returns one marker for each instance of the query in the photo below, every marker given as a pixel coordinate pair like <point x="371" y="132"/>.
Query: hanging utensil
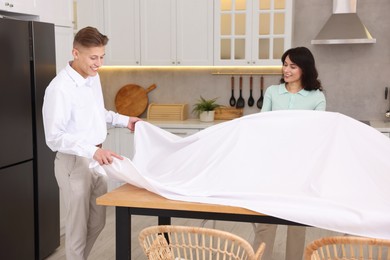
<point x="260" y="101"/>
<point x="251" y="101"/>
<point x="240" y="100"/>
<point x="387" y="114"/>
<point x="232" y="100"/>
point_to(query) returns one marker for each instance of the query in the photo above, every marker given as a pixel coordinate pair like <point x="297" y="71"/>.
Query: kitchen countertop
<point x="380" y="125"/>
<point x="189" y="123"/>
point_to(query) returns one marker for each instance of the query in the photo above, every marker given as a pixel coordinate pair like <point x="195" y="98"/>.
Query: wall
<point x="354" y="76"/>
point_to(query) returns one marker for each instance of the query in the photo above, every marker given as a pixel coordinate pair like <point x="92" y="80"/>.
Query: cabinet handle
<point x="173" y="62"/>
<point x="137" y="62"/>
<point x="248" y="62"/>
<point x="178" y="62"/>
<point x="11" y="5"/>
<point x="6" y="4"/>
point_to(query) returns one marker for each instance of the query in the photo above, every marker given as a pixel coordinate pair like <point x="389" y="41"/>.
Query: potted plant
<point x="204" y="108"/>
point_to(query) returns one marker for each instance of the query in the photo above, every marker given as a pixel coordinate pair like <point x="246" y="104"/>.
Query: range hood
<point x="344" y="26"/>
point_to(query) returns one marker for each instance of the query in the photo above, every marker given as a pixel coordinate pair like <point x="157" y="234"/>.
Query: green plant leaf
<point x="205" y="105"/>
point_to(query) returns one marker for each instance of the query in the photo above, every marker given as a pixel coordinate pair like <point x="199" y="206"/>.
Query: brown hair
<point x="304" y="59"/>
<point x="90" y="37"/>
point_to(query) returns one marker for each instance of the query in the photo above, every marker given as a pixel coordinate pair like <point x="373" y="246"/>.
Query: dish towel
<point x="322" y="169"/>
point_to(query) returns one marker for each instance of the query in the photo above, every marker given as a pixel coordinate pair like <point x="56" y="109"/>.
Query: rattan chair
<point x="195" y="243"/>
<point x="348" y="248"/>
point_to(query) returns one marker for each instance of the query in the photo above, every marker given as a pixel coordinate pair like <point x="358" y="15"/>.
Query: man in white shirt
<point x="75" y="127"/>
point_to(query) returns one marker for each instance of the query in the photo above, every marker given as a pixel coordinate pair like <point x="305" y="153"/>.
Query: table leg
<point x="164" y="220"/>
<point x="123" y="233"/>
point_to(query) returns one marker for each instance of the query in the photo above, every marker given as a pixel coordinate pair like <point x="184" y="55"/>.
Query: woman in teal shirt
<point x="300" y="89"/>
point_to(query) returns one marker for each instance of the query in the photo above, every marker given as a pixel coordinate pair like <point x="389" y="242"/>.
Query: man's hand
<point x="132" y="121"/>
<point x="103" y="156"/>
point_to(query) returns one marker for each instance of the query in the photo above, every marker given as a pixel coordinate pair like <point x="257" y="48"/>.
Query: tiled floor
<point x="104" y="248"/>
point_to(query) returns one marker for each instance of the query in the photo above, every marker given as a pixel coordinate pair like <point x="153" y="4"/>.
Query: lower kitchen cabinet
<point x="120" y="141"/>
<point x="183" y="132"/>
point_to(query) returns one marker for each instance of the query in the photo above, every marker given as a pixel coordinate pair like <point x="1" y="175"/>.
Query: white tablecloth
<point x="322" y="169"/>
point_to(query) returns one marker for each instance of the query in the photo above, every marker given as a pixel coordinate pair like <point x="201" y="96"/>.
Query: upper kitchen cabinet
<point x="90" y="13"/>
<point x="176" y="32"/>
<point x="251" y="32"/>
<point x="121" y="24"/>
<point x="19" y="6"/>
<point x="59" y="12"/>
<point x="64" y="46"/>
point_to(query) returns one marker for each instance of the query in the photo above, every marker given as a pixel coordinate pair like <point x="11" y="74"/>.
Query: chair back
<point x="195" y="243"/>
<point x="348" y="248"/>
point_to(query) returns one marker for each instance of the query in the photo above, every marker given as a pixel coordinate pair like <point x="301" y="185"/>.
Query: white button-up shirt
<point x="74" y="116"/>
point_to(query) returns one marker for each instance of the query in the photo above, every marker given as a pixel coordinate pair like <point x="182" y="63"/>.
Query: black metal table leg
<point x="164" y="220"/>
<point x="123" y="234"/>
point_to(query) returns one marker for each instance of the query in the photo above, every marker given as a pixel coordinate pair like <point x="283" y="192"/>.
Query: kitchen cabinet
<point x="182" y="132"/>
<point x="153" y="32"/>
<point x="64" y="45"/>
<point x="121" y="24"/>
<point x="251" y="32"/>
<point x="89" y="13"/>
<point x="176" y="32"/>
<point x="19" y="6"/>
<point x="59" y="12"/>
<point x="120" y="141"/>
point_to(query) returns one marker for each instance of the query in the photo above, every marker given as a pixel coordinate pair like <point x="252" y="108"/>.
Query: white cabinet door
<point x="59" y="12"/>
<point x="158" y="32"/>
<point x="19" y="6"/>
<point x="194" y="37"/>
<point x="176" y="32"/>
<point x="251" y="32"/>
<point x="64" y="45"/>
<point x="121" y="25"/>
<point x="125" y="142"/>
<point x="89" y="13"/>
<point x="110" y="142"/>
<point x="152" y="32"/>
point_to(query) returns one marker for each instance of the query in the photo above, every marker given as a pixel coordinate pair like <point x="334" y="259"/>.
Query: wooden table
<point x="130" y="200"/>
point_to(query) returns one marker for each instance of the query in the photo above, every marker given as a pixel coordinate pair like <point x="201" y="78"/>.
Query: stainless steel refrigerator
<point x="29" y="195"/>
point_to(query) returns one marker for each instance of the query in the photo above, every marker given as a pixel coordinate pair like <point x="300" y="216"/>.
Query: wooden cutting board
<point x="132" y="100"/>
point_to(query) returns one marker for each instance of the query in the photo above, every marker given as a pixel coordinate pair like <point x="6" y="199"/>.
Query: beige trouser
<point x="295" y="240"/>
<point x="80" y="186"/>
